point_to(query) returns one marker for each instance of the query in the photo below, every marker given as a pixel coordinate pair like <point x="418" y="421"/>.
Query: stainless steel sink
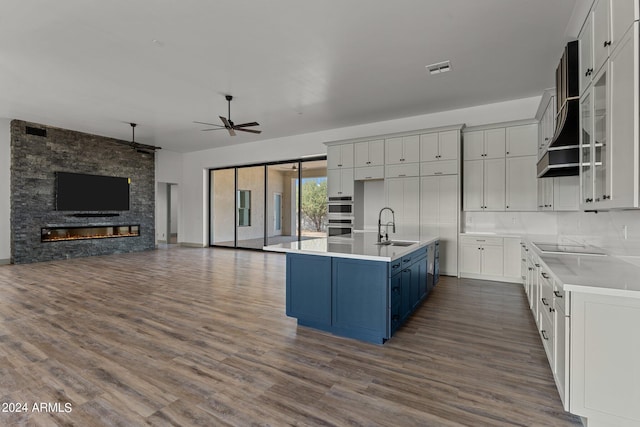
<point x="402" y="243"/>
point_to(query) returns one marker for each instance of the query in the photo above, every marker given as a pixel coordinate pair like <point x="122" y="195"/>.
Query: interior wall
<point x="223" y="209"/>
<point x="5" y="194"/>
<point x="193" y="203"/>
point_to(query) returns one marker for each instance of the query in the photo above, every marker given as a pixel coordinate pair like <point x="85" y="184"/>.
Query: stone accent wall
<point x="34" y="161"/>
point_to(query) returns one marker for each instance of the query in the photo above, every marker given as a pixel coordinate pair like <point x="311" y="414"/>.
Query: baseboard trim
<point x="5" y="261"/>
<point x="192" y="245"/>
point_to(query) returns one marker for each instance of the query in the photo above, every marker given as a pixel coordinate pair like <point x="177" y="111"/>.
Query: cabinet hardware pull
<point x="530" y="268"/>
<point x="557" y="294"/>
<point x="546" y="139"/>
<point x="480" y="240"/>
<point x="537" y="265"/>
<point x="402" y="174"/>
<point x="339" y="166"/>
<point x="543" y="274"/>
<point x="507" y="152"/>
<point x="406" y="260"/>
<point x="607" y="43"/>
<point x="524" y="260"/>
<point x="438" y="173"/>
<point x="544" y="301"/>
<point x="367" y="177"/>
<point x="544" y="335"/>
<point x="552" y="310"/>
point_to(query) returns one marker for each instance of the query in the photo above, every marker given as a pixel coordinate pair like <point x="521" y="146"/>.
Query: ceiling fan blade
<point x="208" y="124"/>
<point x="246" y="125"/>
<point x="220" y="128"/>
<point x="225" y="121"/>
<point x="227" y="125"/>
<point x="249" y="130"/>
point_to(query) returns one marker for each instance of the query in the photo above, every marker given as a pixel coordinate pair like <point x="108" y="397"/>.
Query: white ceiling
<point x="294" y="66"/>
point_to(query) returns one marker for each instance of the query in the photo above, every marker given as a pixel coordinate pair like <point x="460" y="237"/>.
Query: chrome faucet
<point x="392" y="223"/>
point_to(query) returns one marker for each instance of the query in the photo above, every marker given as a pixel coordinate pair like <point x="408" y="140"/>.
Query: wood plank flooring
<point x="198" y="337"/>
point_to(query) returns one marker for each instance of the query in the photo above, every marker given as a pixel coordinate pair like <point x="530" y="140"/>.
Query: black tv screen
<point x="81" y="192"/>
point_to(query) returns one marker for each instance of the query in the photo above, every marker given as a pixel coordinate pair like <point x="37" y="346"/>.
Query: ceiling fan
<point x="229" y="125"/>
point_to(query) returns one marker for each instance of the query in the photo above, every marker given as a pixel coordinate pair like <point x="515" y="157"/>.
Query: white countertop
<point x="605" y="275"/>
<point x="360" y="246"/>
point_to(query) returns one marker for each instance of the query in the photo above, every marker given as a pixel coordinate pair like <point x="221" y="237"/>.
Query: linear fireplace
<point x="57" y="234"/>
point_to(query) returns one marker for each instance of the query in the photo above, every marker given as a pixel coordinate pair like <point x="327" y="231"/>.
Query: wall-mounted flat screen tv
<point x="82" y="192"/>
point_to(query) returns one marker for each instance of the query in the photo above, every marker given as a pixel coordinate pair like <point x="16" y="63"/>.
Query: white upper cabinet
<point x="585" y="43"/>
<point x="522" y="190"/>
<point x="369" y="153"/>
<point x="522" y="140"/>
<point x="439" y="146"/>
<point x="611" y="20"/>
<point x="405" y="149"/>
<point x="601" y="33"/>
<point x="340" y="182"/>
<point x="340" y="156"/>
<point x="484" y="144"/>
<point x="484" y="185"/>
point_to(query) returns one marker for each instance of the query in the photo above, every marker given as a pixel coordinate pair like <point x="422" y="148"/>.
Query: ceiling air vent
<point x="439" y="67"/>
<point x="36" y="131"/>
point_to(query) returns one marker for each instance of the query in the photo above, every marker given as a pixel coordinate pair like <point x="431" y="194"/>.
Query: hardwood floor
<point x="184" y="336"/>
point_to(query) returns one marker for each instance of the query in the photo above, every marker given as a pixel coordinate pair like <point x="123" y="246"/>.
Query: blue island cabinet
<point x="363" y="299"/>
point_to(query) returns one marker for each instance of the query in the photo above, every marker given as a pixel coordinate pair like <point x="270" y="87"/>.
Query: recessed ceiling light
<point x="439" y="67"/>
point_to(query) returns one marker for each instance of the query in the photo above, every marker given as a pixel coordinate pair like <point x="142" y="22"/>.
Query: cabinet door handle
<point x="607" y="43"/>
<point x="552" y="310"/>
<point x="402" y="174"/>
<point x="406" y="260"/>
<point x="544" y="301"/>
<point x="530" y="268"/>
<point x="339" y="166"/>
<point x="544" y="335"/>
<point x="367" y="177"/>
<point x="543" y="274"/>
<point x="558" y="294"/>
<point x="537" y="265"/>
<point x="438" y="173"/>
<point x="546" y="139"/>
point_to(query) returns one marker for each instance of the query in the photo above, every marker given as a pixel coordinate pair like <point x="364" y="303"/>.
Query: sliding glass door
<point x="250" y="205"/>
<point x="258" y="205"/>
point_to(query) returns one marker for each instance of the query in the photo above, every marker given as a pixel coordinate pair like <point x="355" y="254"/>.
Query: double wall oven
<point x="340" y="217"/>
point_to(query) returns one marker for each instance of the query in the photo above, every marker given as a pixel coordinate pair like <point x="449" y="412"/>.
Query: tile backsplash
<point x="510" y="222"/>
<point x="618" y="232"/>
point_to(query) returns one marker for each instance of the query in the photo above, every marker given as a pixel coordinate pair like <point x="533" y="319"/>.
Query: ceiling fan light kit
<point x="228" y="124"/>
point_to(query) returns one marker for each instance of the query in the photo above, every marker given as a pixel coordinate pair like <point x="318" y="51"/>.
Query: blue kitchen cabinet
<point x="360" y="304"/>
<point x="309" y="289"/>
<point x="363" y="299"/>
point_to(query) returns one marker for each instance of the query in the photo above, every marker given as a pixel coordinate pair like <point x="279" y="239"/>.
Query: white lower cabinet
<point x="604" y="353"/>
<point x="482" y="257"/>
<point x="592" y="345"/>
<point x="512" y="259"/>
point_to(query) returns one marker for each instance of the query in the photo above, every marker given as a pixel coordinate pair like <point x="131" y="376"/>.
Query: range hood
<point x="562" y="157"/>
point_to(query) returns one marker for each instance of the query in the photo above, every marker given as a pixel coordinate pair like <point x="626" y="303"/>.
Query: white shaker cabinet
<point x="585" y="46"/>
<point x="369" y="153"/>
<point x="340" y="182"/>
<point x="439" y="217"/>
<point x="484" y="185"/>
<point x="512" y="260"/>
<point x="522" y="140"/>
<point x="340" y="156"/>
<point x="439" y="146"/>
<point x="604" y="353"/>
<point x="484" y="144"/>
<point x="403" y="196"/>
<point x="521" y="183"/>
<point x="481" y="256"/>
<point x="405" y="149"/>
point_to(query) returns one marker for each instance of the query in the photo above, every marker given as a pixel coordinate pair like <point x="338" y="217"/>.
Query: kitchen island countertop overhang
<point x="361" y="246"/>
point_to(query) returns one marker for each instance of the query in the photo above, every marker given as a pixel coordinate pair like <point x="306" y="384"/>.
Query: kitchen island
<point x="356" y="288"/>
